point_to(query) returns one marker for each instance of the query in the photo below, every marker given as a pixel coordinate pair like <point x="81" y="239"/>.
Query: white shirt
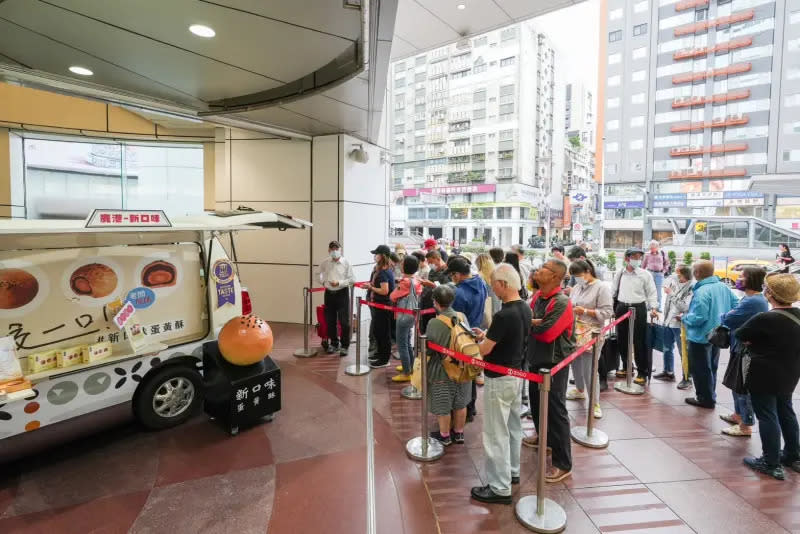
<point x="636" y="287"/>
<point x="335" y="271"/>
<point x="525" y="269"/>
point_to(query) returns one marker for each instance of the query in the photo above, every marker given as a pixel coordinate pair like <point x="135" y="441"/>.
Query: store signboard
<point x="669" y="200"/>
<point x="704" y="195"/>
<point x="623" y="204"/>
<point x="743" y="202"/>
<point x="127" y="218"/>
<point x="451" y="190"/>
<point x="788" y="201"/>
<point x="705" y="203"/>
<point x="743" y="194"/>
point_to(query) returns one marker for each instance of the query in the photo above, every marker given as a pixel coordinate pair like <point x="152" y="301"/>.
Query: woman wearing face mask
<point x="751" y="281"/>
<point x="678" y="295"/>
<point x="593" y="306"/>
<point x="784" y="257"/>
<point x="379" y="288"/>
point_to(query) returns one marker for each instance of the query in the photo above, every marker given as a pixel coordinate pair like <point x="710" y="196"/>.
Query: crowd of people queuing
<point x="531" y="317"/>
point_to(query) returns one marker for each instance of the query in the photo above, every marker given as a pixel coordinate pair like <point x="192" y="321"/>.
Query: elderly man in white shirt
<point x="336" y="276"/>
<point x="634" y="288"/>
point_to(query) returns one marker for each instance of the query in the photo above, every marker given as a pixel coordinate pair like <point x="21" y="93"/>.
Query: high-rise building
<point x="475" y="127"/>
<point x="700" y="96"/>
<point x="579" y="118"/>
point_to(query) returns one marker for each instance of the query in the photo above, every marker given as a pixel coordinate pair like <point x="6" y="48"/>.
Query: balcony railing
<point x="739" y="68"/>
<point x="690" y="101"/>
<point x="685" y="174"/>
<point x="713" y="149"/>
<point x="689" y="4"/>
<point x="721" y="47"/>
<point x="706" y="24"/>
<point x="730" y="120"/>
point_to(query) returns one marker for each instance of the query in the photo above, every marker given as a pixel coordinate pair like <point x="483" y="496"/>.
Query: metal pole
<point x="305" y="352"/>
<point x="357" y="369"/>
<point x="588" y="436"/>
<point x="536" y="512"/>
<point x="424" y="448"/>
<point x="410" y="392"/>
<point x="629" y="387"/>
<point x="352" y="290"/>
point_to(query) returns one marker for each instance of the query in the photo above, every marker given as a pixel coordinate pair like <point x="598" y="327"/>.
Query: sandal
<point x="731" y="418"/>
<point x="556" y="475"/>
<point x="736" y="430"/>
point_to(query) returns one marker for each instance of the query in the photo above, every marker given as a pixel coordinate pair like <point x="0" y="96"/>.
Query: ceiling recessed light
<point x="83" y="71"/>
<point x="461" y="6"/>
<point x="202" y="31"/>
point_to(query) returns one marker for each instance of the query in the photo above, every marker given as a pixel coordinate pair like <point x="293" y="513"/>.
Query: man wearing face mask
<point x="336" y="276"/>
<point x="635" y="288"/>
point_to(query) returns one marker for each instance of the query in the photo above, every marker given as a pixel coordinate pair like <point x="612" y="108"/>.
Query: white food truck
<point x="61" y="287"/>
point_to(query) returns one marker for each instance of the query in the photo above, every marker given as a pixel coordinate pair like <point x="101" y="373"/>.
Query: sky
<point x="574" y="33"/>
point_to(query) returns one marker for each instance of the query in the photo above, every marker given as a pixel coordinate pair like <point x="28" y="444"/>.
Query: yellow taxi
<point x="735" y="268"/>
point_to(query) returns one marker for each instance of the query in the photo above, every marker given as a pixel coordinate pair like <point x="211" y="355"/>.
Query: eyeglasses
<point x="547" y="268"/>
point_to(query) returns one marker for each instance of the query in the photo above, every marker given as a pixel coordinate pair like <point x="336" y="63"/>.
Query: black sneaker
<point x="758" y="464"/>
<point x="458" y="437"/>
<point x="603" y="384"/>
<point x="515" y="480"/>
<point x="446" y="441"/>
<point x="377" y="364"/>
<point x="330" y="349"/>
<point x="343" y="352"/>
<point x="665" y="376"/>
<point x="485" y="494"/>
<point x="794" y="465"/>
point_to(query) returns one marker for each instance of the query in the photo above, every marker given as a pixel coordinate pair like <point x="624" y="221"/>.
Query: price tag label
<point x="124" y="315"/>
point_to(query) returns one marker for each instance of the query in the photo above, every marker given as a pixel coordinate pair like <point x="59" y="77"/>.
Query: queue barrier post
<point x="306" y="352"/>
<point x="424" y="448"/>
<point x="588" y="436"/>
<point x="358" y="368"/>
<point x="536" y="512"/>
<point x="629" y="388"/>
<point x="352" y="290"/>
<point x="410" y="392"/>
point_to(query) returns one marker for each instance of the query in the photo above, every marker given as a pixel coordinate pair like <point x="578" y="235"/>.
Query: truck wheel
<point x="169" y="397"/>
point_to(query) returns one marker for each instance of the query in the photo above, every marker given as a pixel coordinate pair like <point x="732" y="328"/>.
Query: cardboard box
<point x="71" y="356"/>
<point x="136" y="335"/>
<point x="42" y="361"/>
<point x="97" y="352"/>
<point x="14" y="385"/>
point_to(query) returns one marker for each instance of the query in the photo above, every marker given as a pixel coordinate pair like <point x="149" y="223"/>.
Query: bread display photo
<point x="17" y="288"/>
<point x="93" y="280"/>
<point x="159" y="274"/>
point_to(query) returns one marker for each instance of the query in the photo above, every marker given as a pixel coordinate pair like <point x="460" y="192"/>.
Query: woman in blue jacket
<point x="751" y="281"/>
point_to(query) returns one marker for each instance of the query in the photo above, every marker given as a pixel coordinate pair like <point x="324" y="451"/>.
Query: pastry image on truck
<point x="61" y="285"/>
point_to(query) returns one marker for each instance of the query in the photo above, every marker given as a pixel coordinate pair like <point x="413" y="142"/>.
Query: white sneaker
<point x="574" y="394"/>
<point x="598" y="412"/>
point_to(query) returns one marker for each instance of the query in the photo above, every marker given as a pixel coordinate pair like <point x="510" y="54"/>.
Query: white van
<point x="59" y="284"/>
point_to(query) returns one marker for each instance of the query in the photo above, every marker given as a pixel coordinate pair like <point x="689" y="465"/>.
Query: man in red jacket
<point x="552" y="339"/>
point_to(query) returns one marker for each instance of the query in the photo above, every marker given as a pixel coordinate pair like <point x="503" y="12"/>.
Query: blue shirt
<point x="747" y="308"/>
<point x="711" y="300"/>
<point x="471" y="299"/>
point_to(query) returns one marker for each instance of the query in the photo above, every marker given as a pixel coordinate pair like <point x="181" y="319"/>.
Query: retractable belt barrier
<point x="406" y="311"/>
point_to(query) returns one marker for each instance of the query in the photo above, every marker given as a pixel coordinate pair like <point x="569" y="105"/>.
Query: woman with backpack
<point x="406" y="295"/>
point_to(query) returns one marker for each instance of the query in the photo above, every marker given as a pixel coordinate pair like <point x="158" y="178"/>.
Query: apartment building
<point x="700" y="96"/>
<point x="579" y="119"/>
<point x="475" y="127"/>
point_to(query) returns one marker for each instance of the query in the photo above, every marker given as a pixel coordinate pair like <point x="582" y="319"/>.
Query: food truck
<point x="114" y="310"/>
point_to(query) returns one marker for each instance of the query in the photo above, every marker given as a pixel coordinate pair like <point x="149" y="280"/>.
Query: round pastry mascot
<point x="245" y="340"/>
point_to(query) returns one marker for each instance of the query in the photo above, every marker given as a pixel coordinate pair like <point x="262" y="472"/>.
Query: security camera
<point x="359" y="154"/>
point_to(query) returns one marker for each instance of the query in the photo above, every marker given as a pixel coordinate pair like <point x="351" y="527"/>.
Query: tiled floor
<point x="667" y="470"/>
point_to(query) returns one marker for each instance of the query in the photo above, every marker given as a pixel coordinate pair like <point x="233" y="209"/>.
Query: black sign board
<point x="239" y="396"/>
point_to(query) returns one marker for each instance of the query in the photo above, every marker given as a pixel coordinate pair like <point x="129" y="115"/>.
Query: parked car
<point x="736" y="267"/>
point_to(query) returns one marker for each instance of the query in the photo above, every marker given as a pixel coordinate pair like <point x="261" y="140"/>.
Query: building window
<point x="611" y="168"/>
<point x="612" y="103"/>
<point x="637" y="144"/>
<point x="399" y="83"/>
<point x="615" y="14"/>
<point x="612" y="125"/>
<point x="400" y="66"/>
<point x="505" y="62"/>
<point x="479" y="41"/>
<point x="794" y="17"/>
<point x="639" y="76"/>
<point x="399" y="128"/>
<point x="614" y="36"/>
<point x="614" y="81"/>
<point x="416" y="213"/>
<point x="792" y="127"/>
<point x="701" y="14"/>
<point x="612" y="147"/>
<point x="637" y="121"/>
<point x="613" y="59"/>
<point x="419" y="61"/>
<point x="791" y="155"/>
<point x="640" y="7"/>
<point x="639" y="53"/>
<point x="506" y="109"/>
<point x="640" y="29"/>
<point x="479" y="96"/>
<point x="506" y="90"/>
<point x="419" y="125"/>
<point x="508" y="34"/>
<point x="638" y="98"/>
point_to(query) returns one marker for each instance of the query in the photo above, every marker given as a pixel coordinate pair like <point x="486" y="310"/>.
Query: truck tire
<point x="168" y="397"/>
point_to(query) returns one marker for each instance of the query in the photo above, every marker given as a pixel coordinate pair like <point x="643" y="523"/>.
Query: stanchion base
<point x="410" y="392"/>
<point x="414" y="449"/>
<point x="633" y="389"/>
<point x="357" y="370"/>
<point x="302" y="353"/>
<point x="553" y="520"/>
<point x="598" y="439"/>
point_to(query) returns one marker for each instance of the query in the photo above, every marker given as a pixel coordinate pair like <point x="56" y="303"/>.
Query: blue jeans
<point x="658" y="278"/>
<point x="405" y="350"/>
<point x="776" y="417"/>
<point x="744" y="408"/>
<point x="703" y="363"/>
<point x="671" y="337"/>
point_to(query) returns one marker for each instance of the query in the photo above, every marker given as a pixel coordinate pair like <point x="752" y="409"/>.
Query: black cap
<point x="633" y="250"/>
<point x="381" y="249"/>
<point x="458" y="265"/>
<point x="576" y="252"/>
<point x="334" y="244"/>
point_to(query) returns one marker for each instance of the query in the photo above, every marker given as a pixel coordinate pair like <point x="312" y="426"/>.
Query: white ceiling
<point x="141" y="51"/>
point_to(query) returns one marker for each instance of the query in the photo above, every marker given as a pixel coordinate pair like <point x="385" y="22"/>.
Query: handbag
<point x="734" y="378"/>
<point x="720" y="337"/>
<point x="416" y="374"/>
<point x="583" y="333"/>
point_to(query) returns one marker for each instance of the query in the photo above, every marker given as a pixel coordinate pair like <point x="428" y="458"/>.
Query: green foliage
<point x="597" y="259"/>
<point x="688" y="257"/>
<point x="673" y="257"/>
<point x="612" y="261"/>
<point x="575" y="141"/>
<point x="705" y="255"/>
